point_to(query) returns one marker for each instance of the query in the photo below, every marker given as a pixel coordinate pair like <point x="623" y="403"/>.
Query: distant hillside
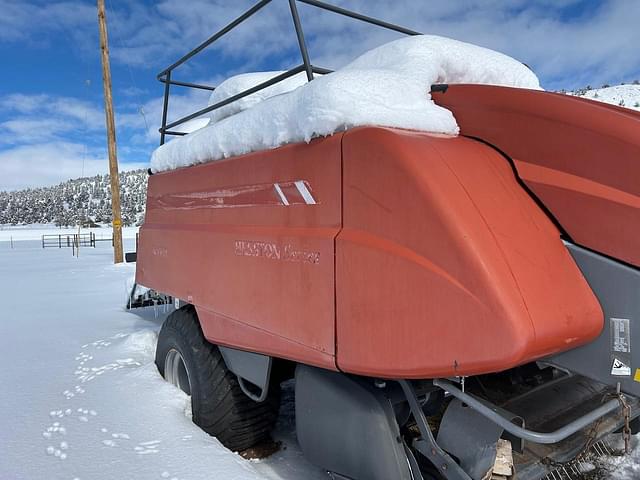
<point x="83" y="200"/>
<point x="622" y="95"/>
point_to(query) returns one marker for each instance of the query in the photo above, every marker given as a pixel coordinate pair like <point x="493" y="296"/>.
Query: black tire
<point x="218" y="404"/>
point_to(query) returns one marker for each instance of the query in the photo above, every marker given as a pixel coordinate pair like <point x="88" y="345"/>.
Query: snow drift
<point x="387" y="86"/>
<point x="239" y="83"/>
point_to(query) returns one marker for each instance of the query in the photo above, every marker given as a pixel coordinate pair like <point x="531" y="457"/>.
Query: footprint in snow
<point x="54" y="429"/>
<point x="86" y="374"/>
<point x="58" y="452"/>
<point x="145" y="448"/>
<point x="111" y="442"/>
<point x="60" y="413"/>
<point x="99" y="344"/>
<point x="104" y="343"/>
<point x="166" y="474"/>
<point x="83" y="358"/>
<point x="85" y="414"/>
<point x="68" y="394"/>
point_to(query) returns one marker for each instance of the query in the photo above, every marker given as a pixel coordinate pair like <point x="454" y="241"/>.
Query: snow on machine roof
<point x="386" y="86"/>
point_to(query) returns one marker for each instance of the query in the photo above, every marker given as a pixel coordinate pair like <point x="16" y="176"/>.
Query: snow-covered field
<point x="80" y="396"/>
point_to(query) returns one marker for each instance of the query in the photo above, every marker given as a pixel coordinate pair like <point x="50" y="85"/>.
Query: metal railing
<point x="306" y="66"/>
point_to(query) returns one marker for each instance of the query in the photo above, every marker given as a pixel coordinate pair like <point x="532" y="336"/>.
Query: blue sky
<point x="51" y="110"/>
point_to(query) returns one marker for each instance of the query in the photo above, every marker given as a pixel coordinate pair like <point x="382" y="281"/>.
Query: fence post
<point x="59" y="241"/>
<point x="42" y="241"/>
<point x="11" y="237"/>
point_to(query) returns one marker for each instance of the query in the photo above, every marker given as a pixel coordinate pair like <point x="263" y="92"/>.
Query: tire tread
<point x="219" y="405"/>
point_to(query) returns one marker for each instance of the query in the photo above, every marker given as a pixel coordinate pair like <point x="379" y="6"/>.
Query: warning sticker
<point x="620" y="369"/>
<point x="620" y="335"/>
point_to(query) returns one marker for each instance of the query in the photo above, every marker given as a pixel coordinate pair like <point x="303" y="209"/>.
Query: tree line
<point x="85" y="201"/>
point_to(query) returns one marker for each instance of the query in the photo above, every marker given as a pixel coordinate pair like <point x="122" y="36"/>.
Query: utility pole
<point x="111" y="136"/>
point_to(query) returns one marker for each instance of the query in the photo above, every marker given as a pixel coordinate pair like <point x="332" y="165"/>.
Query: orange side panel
<point x="580" y="157"/>
<point x="445" y="266"/>
<point x="250" y="242"/>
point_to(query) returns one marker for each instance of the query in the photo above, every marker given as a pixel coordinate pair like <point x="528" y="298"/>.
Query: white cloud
<point x="34" y="118"/>
<point x="85" y="115"/>
<point x="133" y="91"/>
<point x="50" y="163"/>
<point x="32" y="21"/>
<point x="33" y="130"/>
<point x="594" y="44"/>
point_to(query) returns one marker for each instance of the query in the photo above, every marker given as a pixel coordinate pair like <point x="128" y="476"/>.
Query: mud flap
<point x="613" y="357"/>
<point x="471" y="437"/>
<point x="252" y="369"/>
<point x="348" y="427"/>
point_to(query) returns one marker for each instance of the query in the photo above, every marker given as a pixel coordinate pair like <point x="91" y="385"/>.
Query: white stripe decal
<point x="304" y="191"/>
<point x="281" y="194"/>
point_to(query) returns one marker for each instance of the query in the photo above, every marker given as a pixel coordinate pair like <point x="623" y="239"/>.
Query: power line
<point x="126" y="62"/>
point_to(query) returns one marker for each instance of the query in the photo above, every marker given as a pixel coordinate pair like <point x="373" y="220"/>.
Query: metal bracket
<point x="148" y="298"/>
<point x="427" y="445"/>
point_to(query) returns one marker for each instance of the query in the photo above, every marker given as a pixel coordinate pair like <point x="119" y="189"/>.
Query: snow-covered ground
<point x="80" y="396"/>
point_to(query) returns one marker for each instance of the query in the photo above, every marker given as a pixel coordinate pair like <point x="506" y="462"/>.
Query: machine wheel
<point x="188" y="361"/>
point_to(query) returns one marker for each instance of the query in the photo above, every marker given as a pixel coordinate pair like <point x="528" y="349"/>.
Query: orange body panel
<point x="376" y="251"/>
<point x="445" y="266"/>
<point x="260" y="273"/>
<point x="580" y="157"/>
